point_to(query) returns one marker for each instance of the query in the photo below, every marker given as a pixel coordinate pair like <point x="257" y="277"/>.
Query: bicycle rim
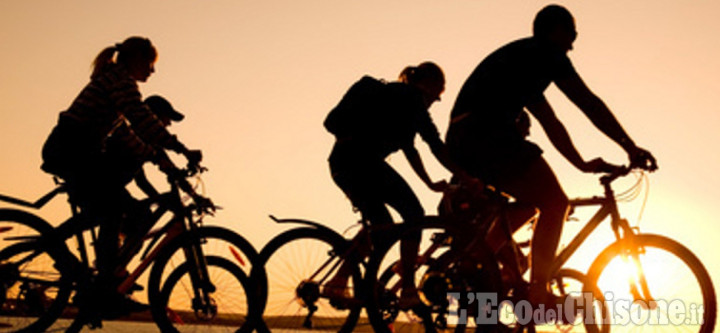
<point x="683" y="297"/>
<point x="431" y="278"/>
<point x="572" y="283"/>
<point x="34" y="293"/>
<point x="215" y="242"/>
<point x="228" y="306"/>
<point x="293" y="263"/>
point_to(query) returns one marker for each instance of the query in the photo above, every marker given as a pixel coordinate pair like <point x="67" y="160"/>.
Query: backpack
<point x="359" y="108"/>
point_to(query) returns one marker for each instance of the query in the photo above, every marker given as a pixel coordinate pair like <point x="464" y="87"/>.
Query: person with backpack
<point x="110" y="106"/>
<point x="373" y="120"/>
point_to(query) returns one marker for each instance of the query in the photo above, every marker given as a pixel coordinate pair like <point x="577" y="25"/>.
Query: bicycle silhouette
<point x="200" y="275"/>
<point x="455" y="260"/>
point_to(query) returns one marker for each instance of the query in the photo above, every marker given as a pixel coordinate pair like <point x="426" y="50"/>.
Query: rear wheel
<point x="34" y="292"/>
<point x="298" y="262"/>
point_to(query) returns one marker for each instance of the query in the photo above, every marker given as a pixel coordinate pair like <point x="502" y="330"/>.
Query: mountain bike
<point x="633" y="270"/>
<point x="199" y="275"/>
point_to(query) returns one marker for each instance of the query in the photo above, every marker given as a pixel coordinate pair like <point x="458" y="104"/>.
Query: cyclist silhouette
<point x="373" y="120"/>
<point x="76" y="149"/>
<point x="486" y="135"/>
<point x="129" y="168"/>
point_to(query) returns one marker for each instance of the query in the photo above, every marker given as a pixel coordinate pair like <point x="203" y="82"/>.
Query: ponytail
<point x="103" y="59"/>
<point x="425" y="71"/>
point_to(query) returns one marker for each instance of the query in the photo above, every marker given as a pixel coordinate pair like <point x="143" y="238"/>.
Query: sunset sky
<point x="256" y="79"/>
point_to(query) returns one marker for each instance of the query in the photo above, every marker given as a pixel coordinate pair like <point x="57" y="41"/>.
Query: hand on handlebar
<point x="194" y="157"/>
<point x="642" y="159"/>
<point x="599" y="165"/>
<point x="203" y="205"/>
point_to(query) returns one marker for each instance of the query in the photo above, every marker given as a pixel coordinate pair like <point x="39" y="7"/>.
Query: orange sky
<point x="256" y="79"/>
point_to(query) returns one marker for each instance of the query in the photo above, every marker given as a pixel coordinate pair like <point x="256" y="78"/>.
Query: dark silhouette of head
<point x="162" y="108"/>
<point x="136" y="54"/>
<point x="428" y="77"/>
<point x="555" y="24"/>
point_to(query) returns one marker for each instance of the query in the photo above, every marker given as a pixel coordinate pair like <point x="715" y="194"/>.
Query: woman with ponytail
<point x="76" y="149"/>
<point x="373" y="120"/>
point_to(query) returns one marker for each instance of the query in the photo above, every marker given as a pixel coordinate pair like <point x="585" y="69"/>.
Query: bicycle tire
<point x="382" y="304"/>
<point x="230" y="295"/>
<point x="225" y="243"/>
<point x="16" y="223"/>
<point x="598" y="322"/>
<point x="294" y="256"/>
<point x="681" y="265"/>
<point x="35" y="293"/>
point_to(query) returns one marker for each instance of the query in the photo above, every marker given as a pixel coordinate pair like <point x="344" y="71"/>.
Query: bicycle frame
<point x="159" y="239"/>
<point x="621" y="228"/>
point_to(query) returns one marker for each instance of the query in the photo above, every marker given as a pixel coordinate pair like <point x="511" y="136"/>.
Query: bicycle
<point x="298" y="262"/>
<point x="441" y="272"/>
<point x="301" y="260"/>
<point x="191" y="284"/>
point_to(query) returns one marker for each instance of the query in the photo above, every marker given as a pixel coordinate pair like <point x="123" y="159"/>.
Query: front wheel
<point x="178" y="301"/>
<point x="653" y="282"/>
<point x="221" y="297"/>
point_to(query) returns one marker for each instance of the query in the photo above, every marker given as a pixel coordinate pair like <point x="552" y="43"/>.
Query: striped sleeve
<point x="127" y="100"/>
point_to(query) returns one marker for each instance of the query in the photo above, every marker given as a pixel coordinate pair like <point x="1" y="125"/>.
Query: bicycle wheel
<point x="207" y="311"/>
<point x="438" y="278"/>
<point x="298" y="262"/>
<point x="176" y="297"/>
<point x="17" y="226"/>
<point x="34" y="292"/>
<point x="682" y="294"/>
<point x="572" y="283"/>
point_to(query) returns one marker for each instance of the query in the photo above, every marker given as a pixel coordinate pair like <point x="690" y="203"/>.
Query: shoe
<point x="409" y="299"/>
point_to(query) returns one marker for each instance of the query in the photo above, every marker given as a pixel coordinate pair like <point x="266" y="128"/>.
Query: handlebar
<point x="178" y="177"/>
<point x="614" y="172"/>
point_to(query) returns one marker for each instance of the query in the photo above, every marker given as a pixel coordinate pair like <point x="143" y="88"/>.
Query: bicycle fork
<point x="203" y="303"/>
<point x="636" y="278"/>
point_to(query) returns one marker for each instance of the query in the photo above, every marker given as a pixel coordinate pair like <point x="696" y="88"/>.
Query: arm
<point x="142" y="182"/>
<point x="127" y="100"/>
<point x="146" y="125"/>
<point x="429" y="133"/>
<point x="417" y="165"/>
<point x="600" y="115"/>
<point x="557" y="134"/>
